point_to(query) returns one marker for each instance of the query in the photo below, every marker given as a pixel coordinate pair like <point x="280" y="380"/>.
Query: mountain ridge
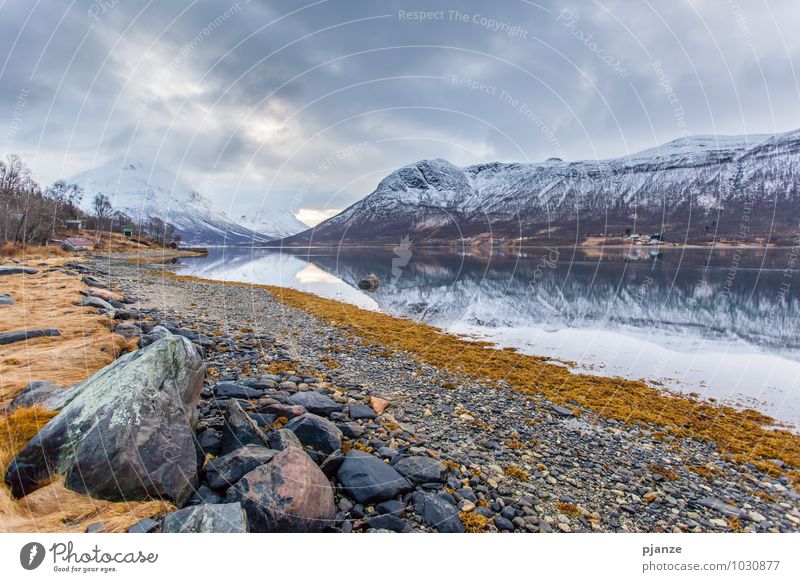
<point x="696" y="189"/>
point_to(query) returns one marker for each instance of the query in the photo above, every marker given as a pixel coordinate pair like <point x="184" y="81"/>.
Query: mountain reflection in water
<point x="618" y="312"/>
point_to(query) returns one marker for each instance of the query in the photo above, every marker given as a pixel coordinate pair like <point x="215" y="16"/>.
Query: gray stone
<point x="438" y="513"/>
<point x="37" y="392"/>
<point x="366" y="478"/>
<point x="240" y="430"/>
<point x="157" y="333"/>
<point x="206" y="518"/>
<point x="420" y="469"/>
<point x="391" y="506"/>
<point x="361" y="412"/>
<point x="6" y="299"/>
<point x="351" y="430"/>
<point x="561" y="411"/>
<point x="231" y="390"/>
<point x="126" y="433"/>
<point x="718" y="505"/>
<point x="332" y="463"/>
<point x="284" y="410"/>
<point x="96" y="302"/>
<point x="210" y="441"/>
<point x="11" y="337"/>
<point x="128" y="330"/>
<point x="146" y="525"/>
<point x="388" y="522"/>
<point x="316" y="432"/>
<point x="315" y="402"/>
<point x="282" y="439"/>
<point x="9" y="270"/>
<point x="288" y="494"/>
<point x="223" y="472"/>
<point x="94" y="282"/>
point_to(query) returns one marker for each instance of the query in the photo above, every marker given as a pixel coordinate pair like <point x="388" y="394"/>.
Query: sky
<point x="305" y="106"/>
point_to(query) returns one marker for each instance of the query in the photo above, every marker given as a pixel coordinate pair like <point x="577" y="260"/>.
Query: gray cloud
<point x="309" y="105"/>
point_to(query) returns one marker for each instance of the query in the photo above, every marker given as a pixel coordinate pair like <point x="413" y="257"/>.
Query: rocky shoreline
<point x="302" y="427"/>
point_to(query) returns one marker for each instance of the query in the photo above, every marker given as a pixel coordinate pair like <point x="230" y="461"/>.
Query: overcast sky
<point x="309" y="105"/>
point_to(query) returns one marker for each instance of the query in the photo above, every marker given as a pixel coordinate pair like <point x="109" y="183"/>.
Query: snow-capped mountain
<point x="691" y="189"/>
<point x="278" y="224"/>
<point x="145" y="191"/>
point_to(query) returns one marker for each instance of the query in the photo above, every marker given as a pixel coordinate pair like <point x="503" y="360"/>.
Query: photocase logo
<point x="31" y="555"/>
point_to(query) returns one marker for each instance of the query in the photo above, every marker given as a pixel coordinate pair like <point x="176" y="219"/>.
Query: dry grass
<point x="568" y="509"/>
<point x="13" y="250"/>
<point x="473" y="522"/>
<point x="745" y="435"/>
<point x="515" y="472"/>
<point x="54" y="508"/>
<point x="111" y="242"/>
<point x="666" y="472"/>
<point x="85" y="346"/>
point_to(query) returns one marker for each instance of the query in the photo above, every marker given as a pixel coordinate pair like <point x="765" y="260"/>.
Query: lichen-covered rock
<point x="126" y="433"/>
<point x="288" y="494"/>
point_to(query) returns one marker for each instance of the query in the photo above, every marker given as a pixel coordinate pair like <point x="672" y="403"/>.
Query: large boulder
<point x="126" y="433"/>
<point x="288" y="494"/>
<point x="206" y="518"/>
<point x="240" y="430"/>
<point x="367" y="479"/>
<point x="315" y="402"/>
<point x="223" y="472"/>
<point x="419" y="469"/>
<point x="316" y="432"/>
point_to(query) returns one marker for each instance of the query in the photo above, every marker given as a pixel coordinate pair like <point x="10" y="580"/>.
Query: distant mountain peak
<point x="144" y="191"/>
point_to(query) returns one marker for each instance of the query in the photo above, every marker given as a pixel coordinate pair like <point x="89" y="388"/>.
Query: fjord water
<point x="722" y="323"/>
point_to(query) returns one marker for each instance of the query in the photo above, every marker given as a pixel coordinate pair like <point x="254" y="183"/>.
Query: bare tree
<point x="102" y="210"/>
<point x="66" y="198"/>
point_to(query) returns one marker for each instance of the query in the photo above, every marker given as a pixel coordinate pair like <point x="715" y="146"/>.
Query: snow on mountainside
<point x="144" y="191"/>
<point x="694" y="189"/>
<point x="278" y="224"/>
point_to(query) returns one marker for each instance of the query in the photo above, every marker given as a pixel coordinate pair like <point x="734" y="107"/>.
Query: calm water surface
<point x="721" y="323"/>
